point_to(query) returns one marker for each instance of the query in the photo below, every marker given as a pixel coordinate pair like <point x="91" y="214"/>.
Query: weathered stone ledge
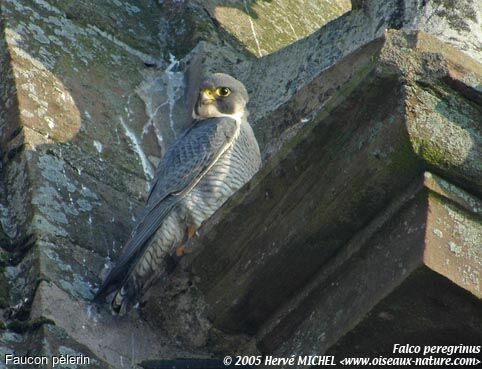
<point x="370" y="141"/>
<point x="418" y="238"/>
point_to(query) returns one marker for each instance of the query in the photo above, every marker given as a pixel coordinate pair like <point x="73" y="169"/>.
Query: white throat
<point x="238" y="116"/>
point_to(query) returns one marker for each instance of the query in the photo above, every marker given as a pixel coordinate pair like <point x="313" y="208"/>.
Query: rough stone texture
<point x="124" y="341"/>
<point x="415" y="313"/>
<point x="93" y="92"/>
<point x="263" y="27"/>
<point x="395" y="256"/>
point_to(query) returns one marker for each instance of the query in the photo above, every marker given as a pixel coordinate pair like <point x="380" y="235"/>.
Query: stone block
<point x="118" y="341"/>
<point x="400" y="265"/>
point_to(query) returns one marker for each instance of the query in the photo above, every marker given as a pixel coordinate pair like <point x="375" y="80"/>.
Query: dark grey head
<point x="220" y="95"/>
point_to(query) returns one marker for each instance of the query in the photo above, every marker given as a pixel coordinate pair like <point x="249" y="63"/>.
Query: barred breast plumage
<point x="233" y="169"/>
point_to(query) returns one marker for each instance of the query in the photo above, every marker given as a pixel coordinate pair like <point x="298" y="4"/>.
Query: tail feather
<point x="136" y="272"/>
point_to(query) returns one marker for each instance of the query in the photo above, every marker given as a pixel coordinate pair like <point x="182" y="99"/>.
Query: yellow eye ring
<point x="223" y="91"/>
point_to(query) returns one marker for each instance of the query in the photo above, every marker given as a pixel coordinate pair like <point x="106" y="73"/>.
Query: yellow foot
<point x="180" y="251"/>
<point x="191" y="231"/>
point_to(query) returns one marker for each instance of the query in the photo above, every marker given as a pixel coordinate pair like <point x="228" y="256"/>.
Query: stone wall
<point x="367" y="136"/>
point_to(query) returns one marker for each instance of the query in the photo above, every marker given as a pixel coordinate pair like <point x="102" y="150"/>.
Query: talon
<point x="180" y="251"/>
<point x="191" y="231"/>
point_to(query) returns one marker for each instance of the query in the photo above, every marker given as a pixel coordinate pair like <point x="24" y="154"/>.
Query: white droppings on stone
<point x="158" y="91"/>
<point x="98" y="146"/>
<point x="148" y="90"/>
<point x="175" y="85"/>
<point x="253" y="31"/>
<point x="146" y="166"/>
<point x="292" y="28"/>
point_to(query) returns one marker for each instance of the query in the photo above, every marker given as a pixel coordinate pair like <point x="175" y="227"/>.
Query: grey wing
<point x="183" y="165"/>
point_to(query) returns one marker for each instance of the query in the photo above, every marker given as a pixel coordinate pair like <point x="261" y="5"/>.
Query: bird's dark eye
<point x="223" y="91"/>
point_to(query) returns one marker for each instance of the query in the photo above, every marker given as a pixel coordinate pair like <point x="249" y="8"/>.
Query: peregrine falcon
<point x="211" y="160"/>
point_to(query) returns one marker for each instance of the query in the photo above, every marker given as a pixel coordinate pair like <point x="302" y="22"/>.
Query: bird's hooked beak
<point x="206" y="96"/>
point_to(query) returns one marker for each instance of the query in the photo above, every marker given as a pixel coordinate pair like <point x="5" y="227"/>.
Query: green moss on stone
<point x="429" y="151"/>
